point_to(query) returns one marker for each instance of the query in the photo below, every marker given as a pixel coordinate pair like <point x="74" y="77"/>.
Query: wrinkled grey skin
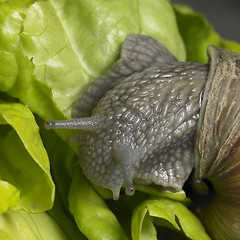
<point x="139" y="119"/>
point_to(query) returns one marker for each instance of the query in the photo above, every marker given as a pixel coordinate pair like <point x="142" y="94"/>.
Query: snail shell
<point x="217" y="145"/>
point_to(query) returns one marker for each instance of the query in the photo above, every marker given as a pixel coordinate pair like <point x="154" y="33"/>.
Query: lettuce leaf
<point x="9" y="196"/>
<point x="22" y="225"/>
<point x="198" y="34"/>
<point x="63" y="160"/>
<point x="91" y="213"/>
<point x="24" y="161"/>
<point x="175" y="213"/>
<point x="76" y="43"/>
<point x="16" y="70"/>
<point x="64" y="220"/>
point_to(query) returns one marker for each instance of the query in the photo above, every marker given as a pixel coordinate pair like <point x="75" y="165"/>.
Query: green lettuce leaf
<point x="163" y="193"/>
<point x="198" y="34"/>
<point x="76" y="43"/>
<point x="24" y="161"/>
<point x="63" y="159"/>
<point x="93" y="217"/>
<point x="175" y="213"/>
<point x="16" y="70"/>
<point x="9" y="196"/>
<point x="62" y="216"/>
<point x="4" y="235"/>
<point x="148" y="231"/>
<point x="21" y="225"/>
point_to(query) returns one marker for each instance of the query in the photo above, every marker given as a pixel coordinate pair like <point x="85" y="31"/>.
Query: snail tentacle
<point x="125" y="155"/>
<point x="138" y="52"/>
<point x="90" y="123"/>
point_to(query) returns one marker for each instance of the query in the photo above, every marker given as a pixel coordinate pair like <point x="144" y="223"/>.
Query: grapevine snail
<point x="152" y="119"/>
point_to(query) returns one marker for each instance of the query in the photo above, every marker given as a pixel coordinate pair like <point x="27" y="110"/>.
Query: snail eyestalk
<point x="124" y="155"/>
<point x="79" y="123"/>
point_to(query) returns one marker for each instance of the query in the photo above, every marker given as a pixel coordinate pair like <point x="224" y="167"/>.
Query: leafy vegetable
<point x="83" y="46"/>
<point x="178" y="216"/>
<point x="24" y="160"/>
<point x="50" y="51"/>
<point x="22" y="225"/>
<point x="91" y="213"/>
<point x="198" y="34"/>
<point x="9" y="196"/>
<point x="15" y="69"/>
<point x="63" y="160"/>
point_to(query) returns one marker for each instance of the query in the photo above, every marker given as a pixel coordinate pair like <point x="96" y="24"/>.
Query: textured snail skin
<point x="142" y="129"/>
<point x="146" y="129"/>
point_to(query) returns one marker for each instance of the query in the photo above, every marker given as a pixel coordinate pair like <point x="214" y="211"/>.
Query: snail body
<point x="142" y="129"/>
<point x="141" y="118"/>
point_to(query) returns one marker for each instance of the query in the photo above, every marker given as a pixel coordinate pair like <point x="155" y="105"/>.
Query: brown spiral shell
<point x="217" y="144"/>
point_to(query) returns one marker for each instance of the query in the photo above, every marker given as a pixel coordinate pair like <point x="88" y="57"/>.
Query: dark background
<point x="224" y="15"/>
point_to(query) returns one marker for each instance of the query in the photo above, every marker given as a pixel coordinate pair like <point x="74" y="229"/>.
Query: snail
<point x="152" y="119"/>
